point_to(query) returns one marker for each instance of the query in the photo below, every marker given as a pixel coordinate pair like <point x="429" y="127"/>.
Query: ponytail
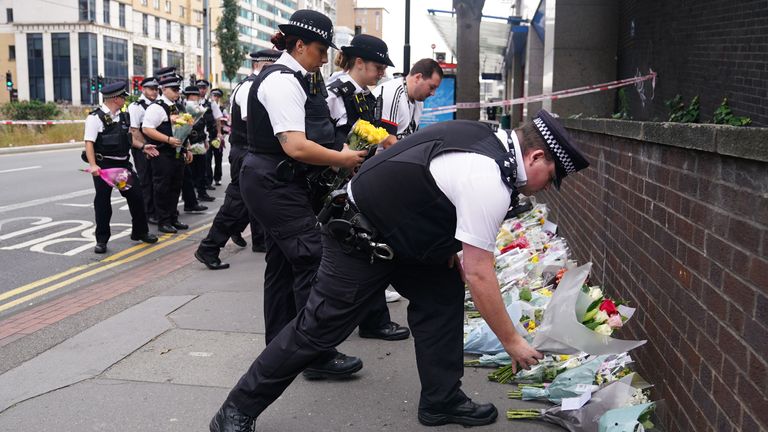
<point x="284" y="42"/>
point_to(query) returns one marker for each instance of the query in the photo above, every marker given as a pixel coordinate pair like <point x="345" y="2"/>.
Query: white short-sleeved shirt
<point x="284" y="98"/>
<point x="94" y="126"/>
<point x="336" y="103"/>
<point x="240" y="97"/>
<point x="155" y="114"/>
<point x="216" y="110"/>
<point x="397" y="107"/>
<point x="136" y="112"/>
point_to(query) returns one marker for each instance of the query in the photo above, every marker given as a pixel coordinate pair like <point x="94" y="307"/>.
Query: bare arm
<point x="90" y="154"/>
<point x="484" y="287"/>
<point x="296" y="145"/>
<point x="390" y="140"/>
<point x="161" y="137"/>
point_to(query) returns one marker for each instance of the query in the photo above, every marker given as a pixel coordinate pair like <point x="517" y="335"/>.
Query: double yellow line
<point x="112" y="261"/>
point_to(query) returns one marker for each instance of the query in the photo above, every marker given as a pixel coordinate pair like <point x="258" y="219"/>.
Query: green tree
<point x="227" y="39"/>
<point x="468" y="15"/>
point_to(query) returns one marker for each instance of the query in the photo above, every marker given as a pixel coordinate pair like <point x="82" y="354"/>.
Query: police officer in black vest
<point x="363" y="63"/>
<point x="289" y="135"/>
<point x="142" y="156"/>
<point x="233" y="215"/>
<point x="194" y="172"/>
<point x="168" y="167"/>
<point x="107" y="145"/>
<point x="212" y="119"/>
<point x="411" y="208"/>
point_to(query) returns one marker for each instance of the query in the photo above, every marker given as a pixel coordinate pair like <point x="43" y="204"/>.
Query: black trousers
<point x="188" y="188"/>
<point x="197" y="169"/>
<point x="233" y="215"/>
<point x="213" y="155"/>
<point x="346" y="286"/>
<point x="144" y="170"/>
<point x="102" y="205"/>
<point x="168" y="176"/>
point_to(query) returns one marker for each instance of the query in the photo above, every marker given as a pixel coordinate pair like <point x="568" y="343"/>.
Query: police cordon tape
<point x="561" y="94"/>
<point x="39" y="122"/>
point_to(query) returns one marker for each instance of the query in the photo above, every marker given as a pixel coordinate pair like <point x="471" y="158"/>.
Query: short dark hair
<point x="426" y="67"/>
<point x="533" y="141"/>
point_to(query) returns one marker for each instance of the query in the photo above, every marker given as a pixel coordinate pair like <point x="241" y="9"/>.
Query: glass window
<point x="156" y="4"/>
<point x="106" y="12"/>
<point x="290" y="3"/>
<point x="181" y="11"/>
<point x="144" y="24"/>
<point x="11" y="52"/>
<point x="88" y="66"/>
<point x="121" y="14"/>
<point x="267" y="22"/>
<point x="87" y="10"/>
<point x="267" y="7"/>
<point x="181" y="33"/>
<point x="35" y="66"/>
<point x="62" y="76"/>
<point x="143" y="2"/>
<point x="157" y="28"/>
<point x="199" y="38"/>
<point x="168" y="6"/>
<point x="140" y="60"/>
<point x="168" y="31"/>
<point x="157" y="58"/>
<point x="176" y="59"/>
<point x="115" y="60"/>
<point x="9" y="15"/>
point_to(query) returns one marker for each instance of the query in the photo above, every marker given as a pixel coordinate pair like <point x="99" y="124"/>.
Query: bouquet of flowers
<point x="362" y="136"/>
<point x="183" y="123"/>
<point x="197" y="149"/>
<point x="216" y="143"/>
<point x="119" y="178"/>
<point x="570" y="383"/>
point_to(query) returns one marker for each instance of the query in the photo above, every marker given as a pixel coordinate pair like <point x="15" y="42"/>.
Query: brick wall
<point x="682" y="233"/>
<point x="709" y="48"/>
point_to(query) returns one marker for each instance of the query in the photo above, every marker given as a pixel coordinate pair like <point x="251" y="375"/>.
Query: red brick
<point x="740" y="293"/>
<point x="758" y="272"/>
<point x="752" y="398"/>
<point x="732" y="345"/>
<point x="746" y="235"/>
<point x="735" y="318"/>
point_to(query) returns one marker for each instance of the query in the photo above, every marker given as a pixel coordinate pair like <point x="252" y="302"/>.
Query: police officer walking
<point x="168" y="167"/>
<point x="457" y="178"/>
<point x="289" y="134"/>
<point x="213" y="127"/>
<point x="108" y="145"/>
<point x="142" y="157"/>
<point x="363" y="62"/>
<point x="233" y="216"/>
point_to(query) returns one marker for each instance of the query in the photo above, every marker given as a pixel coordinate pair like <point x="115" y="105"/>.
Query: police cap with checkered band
<point x="311" y="25"/>
<point x="265" y="55"/>
<point x="566" y="153"/>
<point x="368" y="47"/>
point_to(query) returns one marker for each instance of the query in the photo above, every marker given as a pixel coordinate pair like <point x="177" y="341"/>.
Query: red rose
<point x="608" y="307"/>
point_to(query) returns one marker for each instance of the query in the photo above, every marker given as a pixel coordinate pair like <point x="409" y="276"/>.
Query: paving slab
<point x="223" y="311"/>
<point x="246" y="274"/>
<point x="89" y="353"/>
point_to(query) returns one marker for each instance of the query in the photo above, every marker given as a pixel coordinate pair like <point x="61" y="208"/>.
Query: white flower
<point x="595" y="293"/>
<point x="601" y="316"/>
<point x="604" y="329"/>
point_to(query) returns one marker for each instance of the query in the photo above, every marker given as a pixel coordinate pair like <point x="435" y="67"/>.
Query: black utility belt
<point x="100" y="157"/>
<point x="344" y="222"/>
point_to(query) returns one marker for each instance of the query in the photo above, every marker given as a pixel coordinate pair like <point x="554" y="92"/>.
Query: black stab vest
<point x="357" y="105"/>
<point x="115" y="139"/>
<point x="238" y="136"/>
<point x="317" y="123"/>
<point x="165" y="128"/>
<point x="398" y="194"/>
<point x="208" y="121"/>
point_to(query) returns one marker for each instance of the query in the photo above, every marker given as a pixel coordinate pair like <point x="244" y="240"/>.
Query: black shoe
<point x="180" y="226"/>
<point x="146" y="238"/>
<point x="340" y="366"/>
<point x="100" y="248"/>
<point x="218" y="182"/>
<point x="166" y="228"/>
<point x="260" y="247"/>
<point x="205" y="197"/>
<point x="197" y="208"/>
<point x="238" y="240"/>
<point x="209" y="187"/>
<point x="390" y="332"/>
<point x="211" y="262"/>
<point x="152" y="220"/>
<point x="231" y="419"/>
<point x="466" y="413"/>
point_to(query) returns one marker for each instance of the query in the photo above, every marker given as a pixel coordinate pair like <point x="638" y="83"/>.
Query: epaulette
<point x="340" y="88"/>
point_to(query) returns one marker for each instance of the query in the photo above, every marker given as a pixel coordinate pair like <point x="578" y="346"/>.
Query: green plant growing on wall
<point x="724" y="115"/>
<point x="680" y="114"/>
<point x="623" y="113"/>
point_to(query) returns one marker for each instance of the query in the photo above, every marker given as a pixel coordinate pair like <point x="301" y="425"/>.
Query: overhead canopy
<point x="494" y="32"/>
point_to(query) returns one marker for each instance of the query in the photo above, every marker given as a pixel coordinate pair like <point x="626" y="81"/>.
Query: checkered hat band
<point x="555" y="147"/>
<point x="322" y="33"/>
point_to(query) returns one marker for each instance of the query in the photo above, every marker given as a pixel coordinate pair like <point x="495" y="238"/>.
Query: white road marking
<point x="20" y="169"/>
<point x="40" y="201"/>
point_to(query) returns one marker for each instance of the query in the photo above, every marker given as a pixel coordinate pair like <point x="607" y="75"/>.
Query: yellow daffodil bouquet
<point x="364" y="135"/>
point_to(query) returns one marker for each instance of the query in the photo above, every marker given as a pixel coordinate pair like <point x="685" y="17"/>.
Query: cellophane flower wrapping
<point x="184" y="123"/>
<point x="119" y="178"/>
<point x="570" y="383"/>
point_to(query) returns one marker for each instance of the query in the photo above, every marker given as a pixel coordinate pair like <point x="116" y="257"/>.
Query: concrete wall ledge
<point x="742" y="142"/>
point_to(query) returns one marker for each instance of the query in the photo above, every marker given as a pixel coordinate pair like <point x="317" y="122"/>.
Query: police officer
<point x="363" y="62"/>
<point x="289" y="132"/>
<point x="233" y="216"/>
<point x="194" y="172"/>
<point x="457" y="179"/>
<point x="142" y="156"/>
<point x="107" y="145"/>
<point x="168" y="167"/>
<point x="212" y="119"/>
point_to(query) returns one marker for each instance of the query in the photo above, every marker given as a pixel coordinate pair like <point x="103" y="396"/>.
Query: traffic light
<point x="93" y="85"/>
<point x="8" y="80"/>
<point x="136" y="86"/>
<point x="100" y="81"/>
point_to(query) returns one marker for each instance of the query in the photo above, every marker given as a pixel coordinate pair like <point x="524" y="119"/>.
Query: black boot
<point x="390" y="332"/>
<point x="339" y="366"/>
<point x="466" y="413"/>
<point x="231" y="419"/>
<point x="238" y="240"/>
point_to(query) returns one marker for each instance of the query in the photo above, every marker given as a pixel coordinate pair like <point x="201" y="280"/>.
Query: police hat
<point x="568" y="157"/>
<point x="170" y="81"/>
<point x="217" y="92"/>
<point x="311" y="25"/>
<point x="191" y="90"/>
<point x="267" y="55"/>
<point x="149" y="82"/>
<point x="114" y="90"/>
<point x="168" y="70"/>
<point x="202" y="83"/>
<point x="368" y="47"/>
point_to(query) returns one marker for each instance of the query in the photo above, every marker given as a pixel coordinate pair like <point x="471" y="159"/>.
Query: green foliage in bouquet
<point x="724" y="115"/>
<point x="680" y="114"/>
